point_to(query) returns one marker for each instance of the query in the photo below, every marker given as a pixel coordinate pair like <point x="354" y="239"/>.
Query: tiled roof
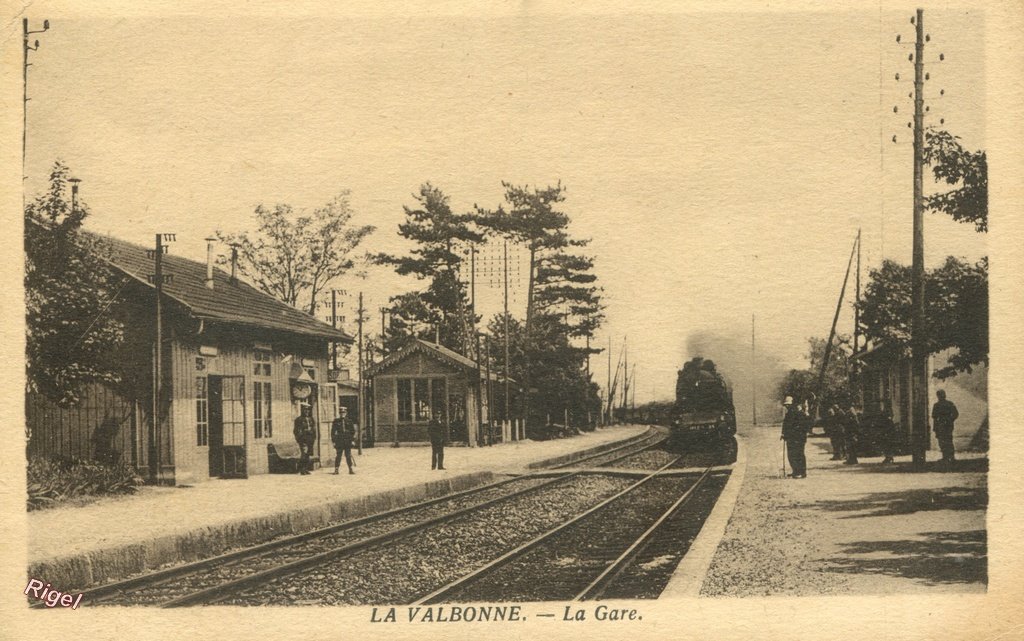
<point x="228" y="302"/>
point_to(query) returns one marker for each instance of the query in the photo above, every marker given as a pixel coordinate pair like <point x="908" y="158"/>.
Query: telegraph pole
<point x="25" y="32"/>
<point x="753" y="365"/>
<point x="361" y="395"/>
<point x="334" y="324"/>
<point x="158" y="279"/>
<point x="918" y="347"/>
<point x="608" y="390"/>
<point x="508" y="414"/>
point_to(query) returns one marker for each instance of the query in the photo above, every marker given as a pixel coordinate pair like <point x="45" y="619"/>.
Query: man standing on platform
<point x="794" y="433"/>
<point x="305" y="436"/>
<point x="342" y="435"/>
<point x="436" y="432"/>
<point x="944" y="414"/>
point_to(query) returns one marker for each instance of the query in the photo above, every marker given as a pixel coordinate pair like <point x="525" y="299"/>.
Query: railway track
<point x="218" y="578"/>
<point x="595" y="552"/>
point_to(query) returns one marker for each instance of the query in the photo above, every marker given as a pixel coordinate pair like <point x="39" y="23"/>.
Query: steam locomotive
<point x="703" y="412"/>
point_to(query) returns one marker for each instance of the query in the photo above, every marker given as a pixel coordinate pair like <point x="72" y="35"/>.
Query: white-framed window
<point x="202" y="412"/>
<point x="262" y="360"/>
<point x="263" y="426"/>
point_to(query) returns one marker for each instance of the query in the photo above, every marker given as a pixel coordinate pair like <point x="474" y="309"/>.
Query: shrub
<point x="52" y="481"/>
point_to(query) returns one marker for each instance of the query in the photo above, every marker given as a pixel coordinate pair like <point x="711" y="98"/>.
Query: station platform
<point x="115" y="537"/>
<point x="865" y="529"/>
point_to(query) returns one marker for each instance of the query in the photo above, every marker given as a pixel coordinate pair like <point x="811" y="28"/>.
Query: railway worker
<point x="886" y="429"/>
<point x="794" y="432"/>
<point x="305" y="436"/>
<point x="834" y="431"/>
<point x="944" y="414"/>
<point x="342" y="434"/>
<point x="436" y="432"/>
<point x="851" y="433"/>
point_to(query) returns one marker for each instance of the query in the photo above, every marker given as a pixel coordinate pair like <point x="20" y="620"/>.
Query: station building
<point x="423" y="377"/>
<point x="237" y="367"/>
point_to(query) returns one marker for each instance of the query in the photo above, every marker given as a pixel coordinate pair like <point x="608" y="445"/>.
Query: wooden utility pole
<point x="158" y="280"/>
<point x="753" y="365"/>
<point x="832" y="332"/>
<point x="361" y="396"/>
<point x="508" y="414"/>
<point x="608" y="390"/>
<point x="334" y="324"/>
<point x="918" y="346"/>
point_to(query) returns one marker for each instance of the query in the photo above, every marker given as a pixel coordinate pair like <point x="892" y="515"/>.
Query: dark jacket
<point x="305" y="431"/>
<point x="944" y="413"/>
<point x="342" y="433"/>
<point x="851" y="424"/>
<point x="436" y="432"/>
<point x="793" y="424"/>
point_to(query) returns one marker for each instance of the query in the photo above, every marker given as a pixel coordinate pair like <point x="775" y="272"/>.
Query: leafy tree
<point x="71" y="339"/>
<point x="956" y="311"/>
<point x="295" y="256"/>
<point x="954" y="165"/>
<point x="800" y="384"/>
<point x="440" y="235"/>
<point x="562" y="301"/>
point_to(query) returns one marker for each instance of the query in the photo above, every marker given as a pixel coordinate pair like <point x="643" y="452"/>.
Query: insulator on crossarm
<point x="910" y="57"/>
<point x="897" y="38"/>
<point x="927" y="76"/>
<point x="927" y="37"/>
<point x="942" y="57"/>
<point x="927" y="108"/>
<point x="894" y="138"/>
<point x="897" y="76"/>
<point x="910" y="125"/>
<point x="942" y="121"/>
<point x="895" y="109"/>
<point x="911" y="19"/>
<point x="910" y="95"/>
<point x="942" y="92"/>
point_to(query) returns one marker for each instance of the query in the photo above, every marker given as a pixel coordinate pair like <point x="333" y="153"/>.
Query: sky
<point x="720" y="162"/>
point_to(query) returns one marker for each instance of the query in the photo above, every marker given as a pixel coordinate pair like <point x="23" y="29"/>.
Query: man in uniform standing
<point x="944" y="414"/>
<point x="851" y="433"/>
<point x="342" y="434"/>
<point x="436" y="432"/>
<point x="794" y="433"/>
<point x="305" y="436"/>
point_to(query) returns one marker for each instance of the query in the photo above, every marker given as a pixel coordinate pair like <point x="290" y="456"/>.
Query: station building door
<point x="227" y="427"/>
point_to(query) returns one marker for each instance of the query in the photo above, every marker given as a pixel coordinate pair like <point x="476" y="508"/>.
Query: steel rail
<point x="225" y="590"/>
<point x="647" y="443"/>
<point x="158" y="577"/>
<point x="436" y="595"/>
<point x="598" y="586"/>
<point x="107" y="592"/>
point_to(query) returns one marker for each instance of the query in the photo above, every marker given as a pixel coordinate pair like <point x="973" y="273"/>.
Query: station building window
<point x="263" y="426"/>
<point x="419" y="397"/>
<point x="262" y="360"/>
<point x="202" y="412"/>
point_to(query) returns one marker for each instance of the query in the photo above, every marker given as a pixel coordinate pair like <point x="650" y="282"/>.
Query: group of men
<point x="846" y="430"/>
<point x="343" y="434"/>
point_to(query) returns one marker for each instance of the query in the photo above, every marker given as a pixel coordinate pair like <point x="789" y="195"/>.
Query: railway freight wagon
<point x="703" y="412"/>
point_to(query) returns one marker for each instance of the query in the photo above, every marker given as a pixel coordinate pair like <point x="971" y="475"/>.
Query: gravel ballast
<point x="416" y="565"/>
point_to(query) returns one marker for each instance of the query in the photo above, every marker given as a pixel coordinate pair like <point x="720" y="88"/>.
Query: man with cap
<point x="342" y="435"/>
<point x="794" y="433"/>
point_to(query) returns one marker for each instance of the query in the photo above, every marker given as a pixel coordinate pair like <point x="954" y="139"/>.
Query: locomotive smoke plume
<point x="732" y="358"/>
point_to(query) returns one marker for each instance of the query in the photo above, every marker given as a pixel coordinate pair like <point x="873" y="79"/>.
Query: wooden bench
<point x="284" y="458"/>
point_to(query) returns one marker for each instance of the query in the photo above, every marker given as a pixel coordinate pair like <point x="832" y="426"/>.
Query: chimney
<point x="234" y="264"/>
<point x="209" y="262"/>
